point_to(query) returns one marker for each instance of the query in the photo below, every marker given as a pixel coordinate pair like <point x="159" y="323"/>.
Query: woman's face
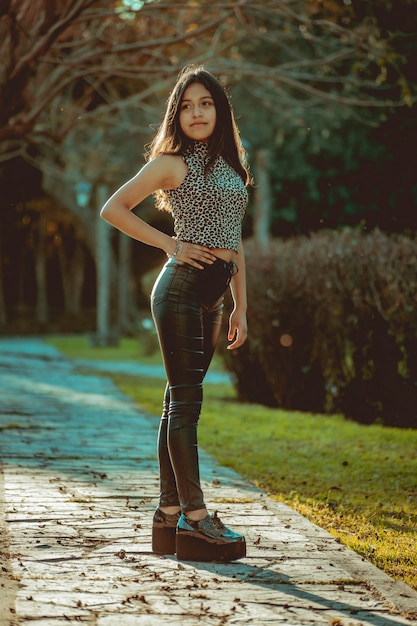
<point x="197" y="113"/>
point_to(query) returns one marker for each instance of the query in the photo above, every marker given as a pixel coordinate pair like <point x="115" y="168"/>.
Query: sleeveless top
<point x="208" y="209"/>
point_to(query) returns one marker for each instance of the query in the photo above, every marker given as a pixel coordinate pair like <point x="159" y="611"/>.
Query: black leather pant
<point x="187" y="307"/>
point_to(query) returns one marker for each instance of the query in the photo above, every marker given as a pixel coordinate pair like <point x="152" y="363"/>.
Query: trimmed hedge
<point x="332" y="326"/>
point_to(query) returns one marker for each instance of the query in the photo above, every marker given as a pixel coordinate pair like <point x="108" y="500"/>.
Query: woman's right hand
<point x="192" y="253"/>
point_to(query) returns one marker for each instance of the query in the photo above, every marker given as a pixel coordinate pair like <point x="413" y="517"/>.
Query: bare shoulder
<point x="163" y="172"/>
<point x="172" y="170"/>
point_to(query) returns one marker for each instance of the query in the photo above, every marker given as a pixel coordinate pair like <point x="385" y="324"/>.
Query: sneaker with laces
<point x="208" y="540"/>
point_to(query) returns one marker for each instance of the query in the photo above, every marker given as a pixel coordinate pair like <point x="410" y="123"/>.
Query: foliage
<point x="333" y="326"/>
<point x="331" y="163"/>
<point x="327" y="87"/>
<point x="331" y="170"/>
<point x="62" y="61"/>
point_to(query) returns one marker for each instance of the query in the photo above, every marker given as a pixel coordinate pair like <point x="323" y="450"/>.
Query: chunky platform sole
<point x="163" y="540"/>
<point x="191" y="548"/>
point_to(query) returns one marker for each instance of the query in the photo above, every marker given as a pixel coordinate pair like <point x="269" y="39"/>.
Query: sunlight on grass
<point x="358" y="482"/>
<point x="130" y="349"/>
<point x="79" y="347"/>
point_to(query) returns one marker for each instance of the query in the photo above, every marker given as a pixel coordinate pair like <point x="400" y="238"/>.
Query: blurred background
<point x="325" y="94"/>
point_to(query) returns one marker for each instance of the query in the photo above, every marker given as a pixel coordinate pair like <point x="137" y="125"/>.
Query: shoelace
<point x="217" y="522"/>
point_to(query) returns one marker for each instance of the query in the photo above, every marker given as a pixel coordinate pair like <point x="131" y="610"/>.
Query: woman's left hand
<point x="238" y="329"/>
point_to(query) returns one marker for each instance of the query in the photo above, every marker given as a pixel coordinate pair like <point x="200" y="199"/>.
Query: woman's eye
<point x="205" y="103"/>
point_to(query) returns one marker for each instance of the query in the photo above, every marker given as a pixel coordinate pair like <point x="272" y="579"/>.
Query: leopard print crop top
<point x="208" y="209"/>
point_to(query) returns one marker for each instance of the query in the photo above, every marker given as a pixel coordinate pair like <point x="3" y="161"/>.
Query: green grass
<point x="358" y="482"/>
<point x="79" y="347"/>
<point x="129" y="349"/>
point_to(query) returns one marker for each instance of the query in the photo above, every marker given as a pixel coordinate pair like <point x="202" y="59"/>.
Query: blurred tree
<point x="61" y="60"/>
<point x="334" y="161"/>
<point x="302" y="67"/>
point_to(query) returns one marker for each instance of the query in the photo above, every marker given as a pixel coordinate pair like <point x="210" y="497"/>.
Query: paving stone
<point x="78" y="487"/>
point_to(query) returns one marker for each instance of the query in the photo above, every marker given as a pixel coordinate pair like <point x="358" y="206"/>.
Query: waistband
<point x="227" y="265"/>
<point x="219" y="264"/>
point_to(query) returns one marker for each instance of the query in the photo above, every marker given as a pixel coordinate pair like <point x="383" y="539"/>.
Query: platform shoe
<point x="208" y="540"/>
<point x="163" y="532"/>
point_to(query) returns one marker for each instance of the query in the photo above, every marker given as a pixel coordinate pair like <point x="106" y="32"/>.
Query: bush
<point x="332" y="326"/>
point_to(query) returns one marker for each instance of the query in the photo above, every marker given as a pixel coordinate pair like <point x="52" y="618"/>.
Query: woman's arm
<point x="118" y="209"/>
<point x="164" y="172"/>
<point x="238" y="328"/>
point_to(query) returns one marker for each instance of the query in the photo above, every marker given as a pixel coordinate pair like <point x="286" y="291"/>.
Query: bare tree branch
<point x="52" y="33"/>
<point x="62" y="60"/>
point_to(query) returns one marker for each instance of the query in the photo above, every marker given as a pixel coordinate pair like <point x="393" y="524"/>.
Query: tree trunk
<point x="22" y="262"/>
<point x="72" y="274"/>
<point x="77" y="272"/>
<point x="125" y="246"/>
<point x="262" y="200"/>
<point x="3" y="315"/>
<point x="42" y="312"/>
<point x="103" y="255"/>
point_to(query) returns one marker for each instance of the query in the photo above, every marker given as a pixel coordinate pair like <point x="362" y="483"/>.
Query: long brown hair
<point x="225" y="140"/>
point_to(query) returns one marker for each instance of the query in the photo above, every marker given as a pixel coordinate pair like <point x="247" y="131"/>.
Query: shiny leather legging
<point x="187" y="307"/>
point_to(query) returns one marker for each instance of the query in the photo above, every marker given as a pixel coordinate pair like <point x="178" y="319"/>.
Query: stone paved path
<point x="78" y="486"/>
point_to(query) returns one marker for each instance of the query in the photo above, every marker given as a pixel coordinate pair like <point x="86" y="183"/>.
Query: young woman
<point x="196" y="169"/>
